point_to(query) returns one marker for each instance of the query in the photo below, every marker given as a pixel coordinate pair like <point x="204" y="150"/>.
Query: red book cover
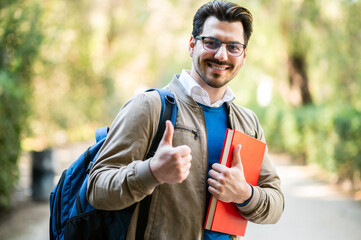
<point x="224" y="217"/>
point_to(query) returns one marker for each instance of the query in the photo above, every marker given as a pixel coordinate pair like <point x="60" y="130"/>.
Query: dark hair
<point x="223" y="11"/>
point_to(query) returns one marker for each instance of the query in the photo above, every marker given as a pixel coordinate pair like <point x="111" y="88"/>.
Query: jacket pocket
<point x="184" y="129"/>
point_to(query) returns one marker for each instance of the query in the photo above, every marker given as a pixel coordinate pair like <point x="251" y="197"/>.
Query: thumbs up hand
<point x="170" y="164"/>
<point x="229" y="184"/>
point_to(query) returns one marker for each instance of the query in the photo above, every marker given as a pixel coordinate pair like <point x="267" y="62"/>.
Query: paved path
<point x="314" y="210"/>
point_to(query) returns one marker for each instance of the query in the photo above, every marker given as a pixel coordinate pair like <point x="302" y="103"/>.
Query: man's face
<point x="216" y="69"/>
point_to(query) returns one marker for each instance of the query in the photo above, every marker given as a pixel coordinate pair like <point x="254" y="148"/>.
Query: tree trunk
<point x="299" y="89"/>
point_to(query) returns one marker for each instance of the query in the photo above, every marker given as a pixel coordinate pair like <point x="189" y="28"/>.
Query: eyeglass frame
<point x="227" y="44"/>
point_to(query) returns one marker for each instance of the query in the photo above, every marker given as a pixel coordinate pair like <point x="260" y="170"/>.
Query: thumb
<point x="168" y="134"/>
<point x="236" y="158"/>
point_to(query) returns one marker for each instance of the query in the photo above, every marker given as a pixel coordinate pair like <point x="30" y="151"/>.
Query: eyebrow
<point x="225" y="42"/>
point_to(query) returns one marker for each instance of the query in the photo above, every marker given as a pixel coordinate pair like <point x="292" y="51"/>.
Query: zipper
<point x="195" y="132"/>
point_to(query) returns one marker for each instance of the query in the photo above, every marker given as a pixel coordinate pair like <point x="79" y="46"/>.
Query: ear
<point x="192" y="43"/>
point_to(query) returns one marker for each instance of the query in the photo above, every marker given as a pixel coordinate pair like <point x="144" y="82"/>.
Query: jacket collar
<point x="176" y="87"/>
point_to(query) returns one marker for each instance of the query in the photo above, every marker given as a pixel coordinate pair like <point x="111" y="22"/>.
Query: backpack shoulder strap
<point x="168" y="112"/>
<point x="101" y="133"/>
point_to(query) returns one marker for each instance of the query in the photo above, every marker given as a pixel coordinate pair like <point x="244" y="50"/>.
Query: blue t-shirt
<point x="216" y="124"/>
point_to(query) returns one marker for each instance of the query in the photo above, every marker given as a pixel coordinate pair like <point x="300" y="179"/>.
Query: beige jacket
<point x="121" y="176"/>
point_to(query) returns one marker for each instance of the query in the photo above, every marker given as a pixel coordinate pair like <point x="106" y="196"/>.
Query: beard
<point x="213" y="79"/>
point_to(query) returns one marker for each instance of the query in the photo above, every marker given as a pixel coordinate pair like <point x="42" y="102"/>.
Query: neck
<point x="215" y="94"/>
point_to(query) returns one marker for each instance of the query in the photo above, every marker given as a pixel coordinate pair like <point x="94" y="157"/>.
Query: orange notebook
<point x="224" y="217"/>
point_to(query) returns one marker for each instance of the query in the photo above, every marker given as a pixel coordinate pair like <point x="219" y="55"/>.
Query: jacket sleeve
<point x="121" y="176"/>
<point x="267" y="203"/>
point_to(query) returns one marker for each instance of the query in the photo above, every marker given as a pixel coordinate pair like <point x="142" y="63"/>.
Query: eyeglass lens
<point x="213" y="44"/>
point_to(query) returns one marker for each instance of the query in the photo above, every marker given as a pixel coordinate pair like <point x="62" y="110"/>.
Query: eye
<point x="234" y="47"/>
<point x="211" y="43"/>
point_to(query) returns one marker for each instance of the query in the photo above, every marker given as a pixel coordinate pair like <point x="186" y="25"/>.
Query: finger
<point x="188" y="166"/>
<point x="214" y="174"/>
<point x="213" y="191"/>
<point x="168" y="134"/>
<point x="213" y="183"/>
<point x="183" y="150"/>
<point x="236" y="158"/>
<point x="185" y="176"/>
<point x="187" y="159"/>
<point x="219" y="167"/>
<point x="184" y="163"/>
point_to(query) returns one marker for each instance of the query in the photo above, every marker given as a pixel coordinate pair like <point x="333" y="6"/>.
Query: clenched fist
<point x="170" y="164"/>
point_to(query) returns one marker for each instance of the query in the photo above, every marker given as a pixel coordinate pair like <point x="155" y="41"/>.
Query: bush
<point x="348" y="145"/>
<point x="323" y="135"/>
<point x="11" y="123"/>
<point x="19" y="41"/>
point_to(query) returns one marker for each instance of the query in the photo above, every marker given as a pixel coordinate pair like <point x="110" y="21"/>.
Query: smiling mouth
<point x="220" y="68"/>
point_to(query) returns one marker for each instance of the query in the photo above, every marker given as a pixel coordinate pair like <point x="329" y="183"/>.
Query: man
<point x="185" y="170"/>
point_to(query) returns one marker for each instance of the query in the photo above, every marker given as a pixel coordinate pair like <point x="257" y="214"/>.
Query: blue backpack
<point x="71" y="215"/>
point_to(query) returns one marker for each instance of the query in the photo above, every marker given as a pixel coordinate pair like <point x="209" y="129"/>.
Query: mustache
<point x="215" y="61"/>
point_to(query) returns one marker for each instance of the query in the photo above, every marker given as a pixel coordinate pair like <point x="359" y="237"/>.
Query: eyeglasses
<point x="212" y="44"/>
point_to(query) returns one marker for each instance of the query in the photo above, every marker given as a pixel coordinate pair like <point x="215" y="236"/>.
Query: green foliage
<point x="296" y="19"/>
<point x="347" y="148"/>
<point x="94" y="57"/>
<point x="327" y="34"/>
<point x="324" y="135"/>
<point x="12" y="119"/>
<point x="333" y="65"/>
<point x="20" y="38"/>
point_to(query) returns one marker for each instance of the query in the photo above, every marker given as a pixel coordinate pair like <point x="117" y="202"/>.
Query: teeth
<point x="218" y="68"/>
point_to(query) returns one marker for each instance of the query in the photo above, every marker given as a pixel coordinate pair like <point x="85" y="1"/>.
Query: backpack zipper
<point x="195" y="132"/>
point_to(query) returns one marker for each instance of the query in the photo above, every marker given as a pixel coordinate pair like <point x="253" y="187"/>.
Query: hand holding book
<point x="224" y="216"/>
<point x="229" y="184"/>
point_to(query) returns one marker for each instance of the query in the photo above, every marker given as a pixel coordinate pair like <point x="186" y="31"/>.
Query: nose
<point x="222" y="54"/>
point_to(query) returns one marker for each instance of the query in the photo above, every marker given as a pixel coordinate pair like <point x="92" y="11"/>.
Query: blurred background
<point x="67" y="67"/>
